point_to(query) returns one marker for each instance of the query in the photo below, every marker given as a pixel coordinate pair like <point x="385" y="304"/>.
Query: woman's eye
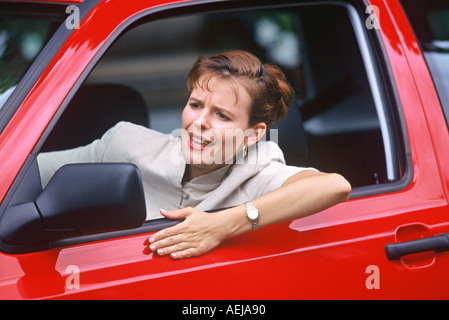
<point x="195" y="106"/>
<point x="222" y="116"/>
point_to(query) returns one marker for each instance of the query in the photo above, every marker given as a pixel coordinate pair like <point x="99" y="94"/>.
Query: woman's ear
<point x="257" y="132"/>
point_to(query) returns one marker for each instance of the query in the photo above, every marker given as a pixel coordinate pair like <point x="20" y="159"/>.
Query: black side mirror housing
<point x="80" y="199"/>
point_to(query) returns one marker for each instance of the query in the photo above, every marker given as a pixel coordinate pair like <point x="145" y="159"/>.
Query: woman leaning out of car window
<point x="219" y="160"/>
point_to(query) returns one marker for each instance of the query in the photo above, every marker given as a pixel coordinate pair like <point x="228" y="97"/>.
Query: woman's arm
<point x="303" y="194"/>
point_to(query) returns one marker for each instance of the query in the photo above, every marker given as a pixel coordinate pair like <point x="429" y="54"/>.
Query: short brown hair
<point x="266" y="84"/>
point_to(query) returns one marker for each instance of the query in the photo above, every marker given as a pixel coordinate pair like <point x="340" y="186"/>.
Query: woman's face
<point x="216" y="125"/>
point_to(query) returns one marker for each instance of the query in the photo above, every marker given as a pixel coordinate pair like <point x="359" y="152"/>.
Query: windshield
<point x="430" y="22"/>
<point x="23" y="34"/>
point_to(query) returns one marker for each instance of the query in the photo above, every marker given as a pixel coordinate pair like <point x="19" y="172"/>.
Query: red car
<point x="372" y="103"/>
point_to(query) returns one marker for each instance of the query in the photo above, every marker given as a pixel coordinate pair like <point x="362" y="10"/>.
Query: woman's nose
<point x="203" y="120"/>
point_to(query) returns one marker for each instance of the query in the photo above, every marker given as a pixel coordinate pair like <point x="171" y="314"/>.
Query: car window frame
<point x="391" y="106"/>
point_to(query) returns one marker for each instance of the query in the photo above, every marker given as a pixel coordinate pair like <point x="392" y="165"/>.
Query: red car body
<point x="335" y="254"/>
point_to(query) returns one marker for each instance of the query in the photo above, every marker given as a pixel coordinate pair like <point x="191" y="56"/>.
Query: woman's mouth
<point x="199" y="143"/>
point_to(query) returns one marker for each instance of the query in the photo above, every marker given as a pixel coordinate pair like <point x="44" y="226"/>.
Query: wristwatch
<point x="253" y="215"/>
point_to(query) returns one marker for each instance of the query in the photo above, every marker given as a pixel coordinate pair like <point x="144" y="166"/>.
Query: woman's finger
<point x="177" y="214"/>
<point x="163" y="234"/>
<point x="188" y="253"/>
<point x="179" y="247"/>
<point x="177" y="229"/>
<point x="166" y="243"/>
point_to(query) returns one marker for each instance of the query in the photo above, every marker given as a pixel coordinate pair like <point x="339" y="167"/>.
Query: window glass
<point x="332" y="125"/>
<point x="23" y="34"/>
<point x="430" y="22"/>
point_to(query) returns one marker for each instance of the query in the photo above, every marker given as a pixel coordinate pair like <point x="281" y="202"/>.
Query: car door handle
<point x="436" y="243"/>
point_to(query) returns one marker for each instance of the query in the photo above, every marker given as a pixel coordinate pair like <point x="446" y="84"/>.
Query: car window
<point x="430" y="22"/>
<point x="23" y="34"/>
<point x="339" y="121"/>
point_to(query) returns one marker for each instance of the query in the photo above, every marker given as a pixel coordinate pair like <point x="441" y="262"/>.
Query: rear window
<point x="430" y="22"/>
<point x="23" y="33"/>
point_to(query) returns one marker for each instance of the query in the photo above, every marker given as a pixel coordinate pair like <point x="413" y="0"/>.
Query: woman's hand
<point x="199" y="233"/>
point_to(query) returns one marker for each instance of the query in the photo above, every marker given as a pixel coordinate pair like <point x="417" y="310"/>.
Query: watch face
<point x="252" y="213"/>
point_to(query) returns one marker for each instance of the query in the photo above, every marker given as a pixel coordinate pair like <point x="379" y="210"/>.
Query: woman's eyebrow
<point x="195" y="99"/>
<point x="222" y="109"/>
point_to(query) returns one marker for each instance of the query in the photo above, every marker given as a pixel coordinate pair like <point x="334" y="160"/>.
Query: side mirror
<point x="80" y="199"/>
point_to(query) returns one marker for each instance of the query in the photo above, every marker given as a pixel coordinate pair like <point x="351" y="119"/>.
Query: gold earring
<point x="245" y="151"/>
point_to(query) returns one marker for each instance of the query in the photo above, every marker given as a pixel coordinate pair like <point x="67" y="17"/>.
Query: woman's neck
<point x="192" y="172"/>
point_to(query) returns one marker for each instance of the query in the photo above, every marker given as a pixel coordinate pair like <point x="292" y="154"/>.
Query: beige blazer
<point x="159" y="159"/>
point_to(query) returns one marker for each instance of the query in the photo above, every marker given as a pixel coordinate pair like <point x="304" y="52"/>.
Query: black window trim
<point x="391" y="105"/>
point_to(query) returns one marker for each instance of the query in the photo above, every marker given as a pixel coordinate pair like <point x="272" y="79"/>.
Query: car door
<point x="359" y="111"/>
